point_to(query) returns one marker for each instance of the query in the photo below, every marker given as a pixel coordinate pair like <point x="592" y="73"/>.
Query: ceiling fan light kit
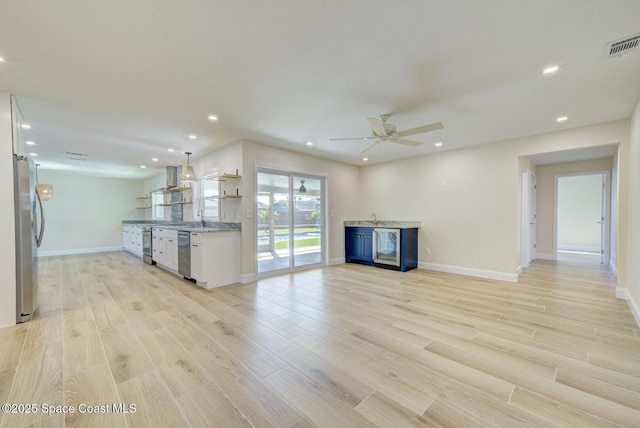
<point x="382" y="131"/>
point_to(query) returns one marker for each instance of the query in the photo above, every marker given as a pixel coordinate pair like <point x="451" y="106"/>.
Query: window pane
<point x="209" y="191"/>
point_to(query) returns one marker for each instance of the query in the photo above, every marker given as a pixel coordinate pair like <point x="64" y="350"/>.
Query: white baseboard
<point x="580" y="248"/>
<point x="613" y="268"/>
<point x="337" y="261"/>
<point x="478" y="273"/>
<point x="543" y="256"/>
<point x="622" y="293"/>
<point x="77" y="251"/>
<point x="249" y="277"/>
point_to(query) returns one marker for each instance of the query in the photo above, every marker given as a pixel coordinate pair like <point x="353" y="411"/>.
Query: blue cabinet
<point x="359" y="245"/>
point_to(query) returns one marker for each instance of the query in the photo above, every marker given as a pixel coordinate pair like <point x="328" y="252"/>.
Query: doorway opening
<point x="290" y="220"/>
<point x="582" y="211"/>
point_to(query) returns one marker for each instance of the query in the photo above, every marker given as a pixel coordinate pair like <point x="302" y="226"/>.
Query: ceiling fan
<point x="383" y="131"/>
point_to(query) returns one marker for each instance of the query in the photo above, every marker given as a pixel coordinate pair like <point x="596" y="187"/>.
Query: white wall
<point x="633" y="255"/>
<point x="7" y="218"/>
<point x="469" y="200"/>
<point x="85" y="213"/>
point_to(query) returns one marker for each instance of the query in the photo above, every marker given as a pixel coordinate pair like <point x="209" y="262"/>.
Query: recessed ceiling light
<point x="25" y="126"/>
<point x="438" y="144"/>
<point x="1" y="59"/>
<point x="309" y="143"/>
<point x="154" y="159"/>
<point x="30" y="143"/>
<point x="212" y="117"/>
<point x="170" y="150"/>
<point x="143" y="166"/>
<point x="550" y="69"/>
<point x="562" y="119"/>
<point x="33" y="154"/>
<point x="365" y="159"/>
<point x="192" y="136"/>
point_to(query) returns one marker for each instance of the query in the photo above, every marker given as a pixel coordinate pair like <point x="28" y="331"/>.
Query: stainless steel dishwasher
<point x="184" y="254"/>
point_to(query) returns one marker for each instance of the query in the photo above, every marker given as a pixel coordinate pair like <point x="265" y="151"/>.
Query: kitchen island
<point x="208" y="254"/>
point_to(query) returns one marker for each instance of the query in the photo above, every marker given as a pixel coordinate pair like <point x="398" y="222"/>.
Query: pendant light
<point x="302" y="189"/>
<point x="188" y="174"/>
<point x="45" y="190"/>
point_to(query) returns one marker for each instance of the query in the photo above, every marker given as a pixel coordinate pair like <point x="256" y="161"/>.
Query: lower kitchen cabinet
<point x="359" y="245"/>
<point x="396" y="248"/>
<point x="215" y="258"/>
<point x="165" y="248"/>
<point x="132" y="239"/>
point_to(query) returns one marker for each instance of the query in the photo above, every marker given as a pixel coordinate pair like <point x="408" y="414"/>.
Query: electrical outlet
<point x="428" y="251"/>
<point x="249" y="214"/>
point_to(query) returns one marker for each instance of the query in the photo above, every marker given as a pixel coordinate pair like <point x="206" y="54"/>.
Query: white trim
<point x="248" y="277"/>
<point x="337" y="261"/>
<point x="78" y="251"/>
<point x="544" y="256"/>
<point x="478" y="273"/>
<point x="623" y="293"/>
<point x="613" y="268"/>
<point x="580" y="248"/>
<point x="519" y="270"/>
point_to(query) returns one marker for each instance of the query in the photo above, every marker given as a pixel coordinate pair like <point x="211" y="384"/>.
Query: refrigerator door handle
<point x="39" y="236"/>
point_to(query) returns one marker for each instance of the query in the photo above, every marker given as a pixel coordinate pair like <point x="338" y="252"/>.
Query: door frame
<point x="528" y="238"/>
<point x="607" y="221"/>
<point x="324" y="252"/>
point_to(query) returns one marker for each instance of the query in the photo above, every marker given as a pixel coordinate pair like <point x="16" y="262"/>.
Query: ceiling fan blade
<point x="378" y="126"/>
<point x="406" y="142"/>
<point x="370" y="146"/>
<point x="346" y="139"/>
<point x="420" y="129"/>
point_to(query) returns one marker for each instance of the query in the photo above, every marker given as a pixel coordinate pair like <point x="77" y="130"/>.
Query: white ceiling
<point x="121" y="81"/>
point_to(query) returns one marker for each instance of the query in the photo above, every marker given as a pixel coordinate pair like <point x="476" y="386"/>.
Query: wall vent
<point x="621" y="46"/>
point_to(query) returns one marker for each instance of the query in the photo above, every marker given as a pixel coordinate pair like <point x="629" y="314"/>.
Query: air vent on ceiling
<point x="621" y="46"/>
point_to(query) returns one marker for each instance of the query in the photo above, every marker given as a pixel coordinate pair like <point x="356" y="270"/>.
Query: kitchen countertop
<point x="383" y="223"/>
<point x="190" y="226"/>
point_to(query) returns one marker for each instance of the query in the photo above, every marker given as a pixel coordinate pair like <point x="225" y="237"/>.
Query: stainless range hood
<point x="172" y="178"/>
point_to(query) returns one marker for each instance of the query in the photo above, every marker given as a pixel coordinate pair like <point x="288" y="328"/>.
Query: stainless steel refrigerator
<point x="29" y="232"/>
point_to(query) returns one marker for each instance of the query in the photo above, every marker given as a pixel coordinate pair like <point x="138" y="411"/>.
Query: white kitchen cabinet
<point x="196" y="255"/>
<point x="132" y="239"/>
<point x="216" y="259"/>
<point x="165" y="248"/>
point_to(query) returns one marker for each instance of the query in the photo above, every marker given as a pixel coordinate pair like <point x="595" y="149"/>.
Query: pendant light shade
<point x="188" y="175"/>
<point x="44" y="190"/>
<point x="302" y="189"/>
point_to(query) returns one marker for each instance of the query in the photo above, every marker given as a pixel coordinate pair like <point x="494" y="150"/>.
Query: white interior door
<point x="603" y="219"/>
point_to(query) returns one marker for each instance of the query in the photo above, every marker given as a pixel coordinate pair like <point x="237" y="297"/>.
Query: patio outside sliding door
<point x="289" y="220"/>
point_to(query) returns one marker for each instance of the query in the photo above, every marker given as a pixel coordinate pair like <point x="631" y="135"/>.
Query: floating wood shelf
<point x="143" y="208"/>
<point x="143" y="197"/>
<point x="162" y="205"/>
<point x="181" y="188"/>
<point x="224" y="197"/>
<point x="181" y="203"/>
<point x="225" y="177"/>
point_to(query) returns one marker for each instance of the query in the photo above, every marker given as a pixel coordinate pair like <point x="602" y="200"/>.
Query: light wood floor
<point x="340" y="346"/>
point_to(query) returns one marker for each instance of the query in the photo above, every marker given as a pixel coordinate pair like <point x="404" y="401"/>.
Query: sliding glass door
<point x="290" y="220"/>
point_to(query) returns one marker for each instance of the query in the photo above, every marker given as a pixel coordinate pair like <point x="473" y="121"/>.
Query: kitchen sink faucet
<point x="201" y="214"/>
